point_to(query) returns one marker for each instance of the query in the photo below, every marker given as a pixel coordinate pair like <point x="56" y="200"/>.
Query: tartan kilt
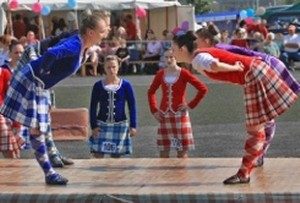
<point x="8" y="140"/>
<point x="26" y="101"/>
<point x="113" y="138"/>
<point x="284" y="73"/>
<point x="266" y="94"/>
<point x="175" y="131"/>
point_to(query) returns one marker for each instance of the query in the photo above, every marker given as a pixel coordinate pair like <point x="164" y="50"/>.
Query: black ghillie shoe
<point x="56" y="179"/>
<point x="56" y="161"/>
<point x="67" y="161"/>
<point x="235" y="179"/>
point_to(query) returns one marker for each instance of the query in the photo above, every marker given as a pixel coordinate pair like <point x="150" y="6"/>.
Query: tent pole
<point x="41" y="27"/>
<point x="176" y="16"/>
<point x="9" y="26"/>
<point x="167" y="18"/>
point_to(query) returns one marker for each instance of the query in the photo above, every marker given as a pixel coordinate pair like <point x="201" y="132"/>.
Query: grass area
<point x="223" y="104"/>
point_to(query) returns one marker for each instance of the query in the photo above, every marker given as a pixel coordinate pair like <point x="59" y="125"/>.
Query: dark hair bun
<point x="190" y="34"/>
<point x="213" y="29"/>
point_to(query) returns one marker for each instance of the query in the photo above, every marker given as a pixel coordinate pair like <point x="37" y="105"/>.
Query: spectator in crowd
<point x="130" y="27"/>
<point x="166" y="44"/>
<point x="240" y="38"/>
<point x="61" y="27"/>
<point x="123" y="56"/>
<point x="271" y="47"/>
<point x="31" y="39"/>
<point x="225" y="37"/>
<point x="19" y="27"/>
<point x="120" y="30"/>
<point x="152" y="53"/>
<point x="23" y="41"/>
<point x="256" y="43"/>
<point x="291" y="45"/>
<point x="5" y="41"/>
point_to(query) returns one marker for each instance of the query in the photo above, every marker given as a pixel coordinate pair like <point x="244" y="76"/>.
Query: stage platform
<point x="151" y="180"/>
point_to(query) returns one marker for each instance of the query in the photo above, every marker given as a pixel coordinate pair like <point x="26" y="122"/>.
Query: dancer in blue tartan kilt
<point x="111" y="131"/>
<point x="32" y="52"/>
<point x="27" y="102"/>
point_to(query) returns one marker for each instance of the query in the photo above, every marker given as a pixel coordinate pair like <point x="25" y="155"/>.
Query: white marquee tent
<point x="100" y="4"/>
<point x="162" y="14"/>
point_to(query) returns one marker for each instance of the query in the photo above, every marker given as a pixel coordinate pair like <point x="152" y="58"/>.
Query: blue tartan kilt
<point x="113" y="138"/>
<point x="26" y="101"/>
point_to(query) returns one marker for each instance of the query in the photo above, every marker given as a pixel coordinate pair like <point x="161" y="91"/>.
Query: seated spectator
<point x="93" y="54"/>
<point x="270" y="47"/>
<point x="123" y="56"/>
<point x="5" y="41"/>
<point x="240" y="38"/>
<point x="130" y="28"/>
<point x="291" y="45"/>
<point x="23" y="41"/>
<point x="31" y="39"/>
<point x="225" y="37"/>
<point x="153" y="50"/>
<point x="256" y="43"/>
<point x="165" y="45"/>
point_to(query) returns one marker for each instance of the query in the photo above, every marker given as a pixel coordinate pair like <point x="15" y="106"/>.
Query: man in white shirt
<point x="291" y="45"/>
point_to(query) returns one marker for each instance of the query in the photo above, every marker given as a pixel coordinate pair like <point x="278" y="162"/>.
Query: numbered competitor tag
<point x="109" y="147"/>
<point x="176" y="143"/>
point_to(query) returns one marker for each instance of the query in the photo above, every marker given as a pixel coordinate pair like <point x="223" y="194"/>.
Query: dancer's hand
<point x="183" y="107"/>
<point x="239" y="66"/>
<point x="95" y="132"/>
<point x="15" y="131"/>
<point x="132" y="132"/>
<point x="157" y="116"/>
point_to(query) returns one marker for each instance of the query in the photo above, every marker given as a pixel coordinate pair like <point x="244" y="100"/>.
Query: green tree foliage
<point x="201" y="6"/>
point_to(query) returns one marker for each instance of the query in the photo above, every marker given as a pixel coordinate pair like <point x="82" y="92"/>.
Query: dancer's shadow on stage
<point x="159" y="168"/>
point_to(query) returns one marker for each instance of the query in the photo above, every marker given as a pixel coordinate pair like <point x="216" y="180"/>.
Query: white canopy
<point x="100" y="4"/>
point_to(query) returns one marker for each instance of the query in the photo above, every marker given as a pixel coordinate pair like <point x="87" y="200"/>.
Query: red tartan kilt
<point x="9" y="141"/>
<point x="175" y="128"/>
<point x="266" y="94"/>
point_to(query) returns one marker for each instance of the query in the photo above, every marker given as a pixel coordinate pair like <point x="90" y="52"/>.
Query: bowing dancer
<point x="266" y="95"/>
<point x="208" y="37"/>
<point x="26" y="101"/>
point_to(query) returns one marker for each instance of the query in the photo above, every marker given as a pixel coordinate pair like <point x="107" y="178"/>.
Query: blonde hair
<point x="111" y="58"/>
<point x="89" y="20"/>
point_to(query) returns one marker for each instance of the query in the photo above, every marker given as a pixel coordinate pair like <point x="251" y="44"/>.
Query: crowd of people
<point x="28" y="74"/>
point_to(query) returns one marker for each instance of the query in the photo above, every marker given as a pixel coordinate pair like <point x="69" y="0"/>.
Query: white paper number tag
<point x="108" y="147"/>
<point x="176" y="143"/>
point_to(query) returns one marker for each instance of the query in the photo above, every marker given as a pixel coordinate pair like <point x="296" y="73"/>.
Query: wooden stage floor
<point x="151" y="180"/>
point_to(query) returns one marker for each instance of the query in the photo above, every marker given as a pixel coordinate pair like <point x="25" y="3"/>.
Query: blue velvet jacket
<point x="109" y="106"/>
<point x="58" y="62"/>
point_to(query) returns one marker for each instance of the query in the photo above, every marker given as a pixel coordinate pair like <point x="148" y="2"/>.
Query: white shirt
<point x="154" y="47"/>
<point x="295" y="38"/>
<point x="203" y="61"/>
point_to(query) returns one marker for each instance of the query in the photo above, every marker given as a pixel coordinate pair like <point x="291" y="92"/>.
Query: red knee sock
<point x="253" y="150"/>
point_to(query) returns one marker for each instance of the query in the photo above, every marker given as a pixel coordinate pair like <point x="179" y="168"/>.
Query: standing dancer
<point x="111" y="131"/>
<point x="10" y="140"/>
<point x="175" y="129"/>
<point x="208" y="37"/>
<point x="33" y="52"/>
<point x="26" y="101"/>
<point x="266" y="94"/>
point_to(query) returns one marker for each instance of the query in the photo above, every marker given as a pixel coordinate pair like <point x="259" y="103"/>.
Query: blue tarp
<point x="217" y="16"/>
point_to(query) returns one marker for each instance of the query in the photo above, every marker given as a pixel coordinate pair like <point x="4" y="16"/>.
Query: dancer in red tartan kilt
<point x="174" y="131"/>
<point x="10" y="140"/>
<point x="266" y="94"/>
